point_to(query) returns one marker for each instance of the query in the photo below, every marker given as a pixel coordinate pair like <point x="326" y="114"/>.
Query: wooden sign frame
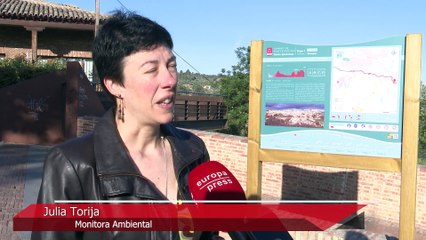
<point x="407" y="165"/>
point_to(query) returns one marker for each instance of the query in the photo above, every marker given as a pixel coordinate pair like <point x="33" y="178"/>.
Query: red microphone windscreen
<point x="213" y="181"/>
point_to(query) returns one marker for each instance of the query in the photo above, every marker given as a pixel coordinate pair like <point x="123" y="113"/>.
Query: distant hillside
<point x="196" y="82"/>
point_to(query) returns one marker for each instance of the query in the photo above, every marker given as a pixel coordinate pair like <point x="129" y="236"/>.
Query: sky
<point x="207" y="33"/>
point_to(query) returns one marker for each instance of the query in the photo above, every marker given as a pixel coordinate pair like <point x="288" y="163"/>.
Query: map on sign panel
<point x="364" y="79"/>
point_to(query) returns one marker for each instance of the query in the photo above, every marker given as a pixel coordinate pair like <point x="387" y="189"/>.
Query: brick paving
<point x="18" y="186"/>
<point x="13" y="161"/>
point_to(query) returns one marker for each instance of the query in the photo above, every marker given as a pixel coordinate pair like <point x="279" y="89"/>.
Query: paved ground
<point x="20" y="171"/>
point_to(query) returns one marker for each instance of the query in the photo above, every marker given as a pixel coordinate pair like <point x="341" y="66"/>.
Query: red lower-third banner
<point x="199" y="217"/>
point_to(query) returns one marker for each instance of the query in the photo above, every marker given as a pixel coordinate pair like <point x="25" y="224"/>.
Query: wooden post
<point x="254" y="166"/>
<point x="97" y="16"/>
<point x="34" y="31"/>
<point x="407" y="215"/>
<point x="34" y="45"/>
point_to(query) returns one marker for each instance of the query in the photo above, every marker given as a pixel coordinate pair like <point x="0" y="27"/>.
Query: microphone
<point x="213" y="181"/>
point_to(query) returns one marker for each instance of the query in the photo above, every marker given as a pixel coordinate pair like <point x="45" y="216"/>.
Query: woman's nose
<point x="169" y="79"/>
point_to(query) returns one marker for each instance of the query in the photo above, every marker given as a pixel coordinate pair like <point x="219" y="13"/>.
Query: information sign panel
<point x="344" y="99"/>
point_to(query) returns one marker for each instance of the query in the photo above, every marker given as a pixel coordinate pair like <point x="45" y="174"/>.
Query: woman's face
<point x="150" y="79"/>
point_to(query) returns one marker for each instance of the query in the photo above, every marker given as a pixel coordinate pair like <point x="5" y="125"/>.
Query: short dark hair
<point x="123" y="34"/>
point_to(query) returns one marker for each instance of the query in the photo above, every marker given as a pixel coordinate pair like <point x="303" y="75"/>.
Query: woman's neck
<point x="140" y="138"/>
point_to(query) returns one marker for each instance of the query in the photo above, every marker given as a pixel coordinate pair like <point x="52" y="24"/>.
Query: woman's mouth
<point x="167" y="103"/>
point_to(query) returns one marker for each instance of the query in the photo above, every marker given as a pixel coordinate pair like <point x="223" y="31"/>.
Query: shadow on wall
<point x="44" y="110"/>
<point x="32" y="114"/>
<point x="302" y="184"/>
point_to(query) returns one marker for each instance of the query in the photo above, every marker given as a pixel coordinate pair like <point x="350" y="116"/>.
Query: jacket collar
<point x="117" y="171"/>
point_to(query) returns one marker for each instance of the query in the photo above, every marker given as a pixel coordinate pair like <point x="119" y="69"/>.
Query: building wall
<point x="16" y="40"/>
<point x="65" y="43"/>
<point x="306" y="182"/>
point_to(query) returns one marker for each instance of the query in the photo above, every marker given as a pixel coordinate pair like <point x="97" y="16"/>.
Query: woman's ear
<point x="112" y="86"/>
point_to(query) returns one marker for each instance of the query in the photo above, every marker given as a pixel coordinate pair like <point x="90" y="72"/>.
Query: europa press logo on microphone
<point x="214" y="180"/>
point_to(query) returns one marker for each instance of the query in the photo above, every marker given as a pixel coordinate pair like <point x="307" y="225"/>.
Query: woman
<point x="134" y="152"/>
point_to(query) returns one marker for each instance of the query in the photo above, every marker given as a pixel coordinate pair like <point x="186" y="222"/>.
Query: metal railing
<point x="189" y="108"/>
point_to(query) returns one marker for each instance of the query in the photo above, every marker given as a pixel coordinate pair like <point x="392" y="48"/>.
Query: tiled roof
<point x="42" y="10"/>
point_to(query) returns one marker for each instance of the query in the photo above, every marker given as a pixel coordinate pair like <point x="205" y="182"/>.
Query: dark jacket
<point x="97" y="167"/>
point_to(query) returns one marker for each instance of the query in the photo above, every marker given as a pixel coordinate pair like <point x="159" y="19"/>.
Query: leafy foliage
<point x="199" y="83"/>
<point x="235" y="88"/>
<point x="14" y="70"/>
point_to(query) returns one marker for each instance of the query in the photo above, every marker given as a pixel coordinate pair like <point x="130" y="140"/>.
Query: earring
<point x="120" y="108"/>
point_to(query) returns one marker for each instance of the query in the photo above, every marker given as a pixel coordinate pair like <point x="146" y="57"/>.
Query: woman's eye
<point x="173" y="66"/>
<point x="151" y="70"/>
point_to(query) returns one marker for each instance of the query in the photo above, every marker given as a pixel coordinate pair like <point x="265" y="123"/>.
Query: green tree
<point x="14" y="70"/>
<point x="235" y="88"/>
<point x="197" y="82"/>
